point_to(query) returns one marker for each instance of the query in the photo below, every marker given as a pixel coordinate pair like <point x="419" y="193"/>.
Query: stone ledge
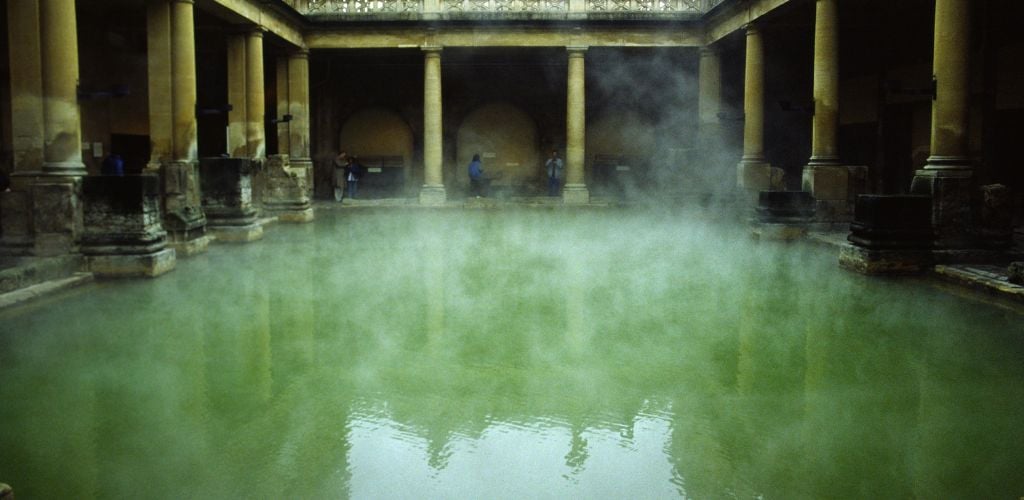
<point x="148" y="265"/>
<point x="987" y="278"/>
<point x="35" y="291"/>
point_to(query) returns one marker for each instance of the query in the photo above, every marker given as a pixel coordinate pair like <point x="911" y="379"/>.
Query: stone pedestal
<point x="573" y="194"/>
<point x="995" y="217"/>
<point x="890" y="234"/>
<point x="783" y="215"/>
<point x="183" y="216"/>
<point x="56" y="215"/>
<point x="835" y="187"/>
<point x="433" y="195"/>
<point x="752" y="177"/>
<point x="950" y="191"/>
<point x="16" y="223"/>
<point x="122" y="235"/>
<point x="227" y="199"/>
<point x="285" y="194"/>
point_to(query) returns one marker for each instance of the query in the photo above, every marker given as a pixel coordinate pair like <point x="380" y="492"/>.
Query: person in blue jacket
<point x="476" y="177"/>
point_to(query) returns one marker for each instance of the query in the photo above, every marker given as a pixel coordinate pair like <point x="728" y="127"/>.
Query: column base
<point x="433" y="195"/>
<point x="950" y="189"/>
<point x="877" y="262"/>
<point x="292" y="216"/>
<point x="187" y="245"/>
<point x="237" y="234"/>
<point x="752" y="177"/>
<point x="575" y="194"/>
<point x="835" y="187"/>
<point x="148" y="265"/>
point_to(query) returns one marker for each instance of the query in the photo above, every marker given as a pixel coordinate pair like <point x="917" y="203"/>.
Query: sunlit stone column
<point x="161" y="101"/>
<point x="575" y="190"/>
<point x="255" y="130"/>
<point x="709" y="101"/>
<point x="947" y="173"/>
<point x="281" y="129"/>
<point x="298" y="107"/>
<point x="237" y="120"/>
<point x="433" y="192"/>
<point x="823" y="176"/>
<point x="755" y="174"/>
<point x="62" y="140"/>
<point x="183" y="81"/>
<point x="26" y="85"/>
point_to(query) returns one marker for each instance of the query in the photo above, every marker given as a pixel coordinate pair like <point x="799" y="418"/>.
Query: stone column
<point x="237" y="121"/>
<point x="183" y="80"/>
<point x="62" y="140"/>
<point x="161" y="101"/>
<point x="755" y="174"/>
<point x="433" y="192"/>
<point x="281" y="90"/>
<point x="26" y="85"/>
<point x="947" y="175"/>
<point x="175" y="118"/>
<point x="255" y="130"/>
<point x="575" y="190"/>
<point x="298" y="107"/>
<point x="823" y="176"/>
<point x="709" y="103"/>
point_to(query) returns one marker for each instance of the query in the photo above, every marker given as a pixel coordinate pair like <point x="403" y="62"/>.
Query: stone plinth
<point x="227" y="199"/>
<point x="754" y="177"/>
<point x="122" y="235"/>
<point x="183" y="216"/>
<point x="890" y="234"/>
<point x="783" y="215"/>
<point x="835" y="187"/>
<point x="433" y="195"/>
<point x="995" y="217"/>
<point x="285" y="193"/>
<point x="575" y="194"/>
<point x="950" y="191"/>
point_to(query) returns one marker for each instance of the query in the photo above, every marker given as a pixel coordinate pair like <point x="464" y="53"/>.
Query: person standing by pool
<point x="340" y="163"/>
<point x="554" y="167"/>
<point x="476" y="176"/>
<point x="353" y="172"/>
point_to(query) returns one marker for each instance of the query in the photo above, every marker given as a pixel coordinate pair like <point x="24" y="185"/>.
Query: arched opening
<point x="383" y="142"/>
<point x="506" y="139"/>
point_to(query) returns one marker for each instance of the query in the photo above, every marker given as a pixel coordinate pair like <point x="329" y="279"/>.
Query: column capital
<point x="255" y="31"/>
<point x="432" y="49"/>
<point x="193" y="2"/>
<point x="752" y="29"/>
<point x="299" y="54"/>
<point x="576" y="50"/>
<point x="709" y="51"/>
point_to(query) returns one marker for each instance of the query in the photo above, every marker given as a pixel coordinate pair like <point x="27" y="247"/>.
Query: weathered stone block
<point x="785" y="206"/>
<point x="757" y="177"/>
<point x="575" y="195"/>
<point x="183" y="216"/>
<point x="56" y="216"/>
<point x="433" y="195"/>
<point x="285" y="193"/>
<point x="884" y="261"/>
<point x="123" y="236"/>
<point x="995" y="224"/>
<point x="951" y="204"/>
<point x="1016" y="273"/>
<point x="826" y="182"/>
<point x="16" y="223"/>
<point x="892" y="221"/>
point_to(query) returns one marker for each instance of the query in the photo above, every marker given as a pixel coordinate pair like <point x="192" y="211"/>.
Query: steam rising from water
<point x="533" y="353"/>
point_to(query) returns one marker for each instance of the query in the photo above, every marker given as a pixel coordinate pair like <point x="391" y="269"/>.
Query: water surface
<point x="534" y="354"/>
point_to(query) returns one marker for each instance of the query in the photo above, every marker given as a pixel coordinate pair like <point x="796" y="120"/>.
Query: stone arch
<point x="381" y="139"/>
<point x="506" y="138"/>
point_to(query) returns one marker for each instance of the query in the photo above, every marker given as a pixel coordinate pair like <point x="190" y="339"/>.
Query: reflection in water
<point x="533" y="354"/>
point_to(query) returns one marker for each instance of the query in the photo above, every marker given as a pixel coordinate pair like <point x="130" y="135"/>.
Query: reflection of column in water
<point x="434" y="271"/>
<point x="256" y="300"/>
<point x="291" y="297"/>
<point x="577" y="321"/>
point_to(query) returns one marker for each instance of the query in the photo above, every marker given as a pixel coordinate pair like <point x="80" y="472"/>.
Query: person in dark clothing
<point x="554" y="167"/>
<point x="353" y="172"/>
<point x="112" y="165"/>
<point x="476" y="177"/>
<point x="340" y="164"/>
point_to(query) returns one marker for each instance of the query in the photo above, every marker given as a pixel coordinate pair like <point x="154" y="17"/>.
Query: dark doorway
<point x="134" y="150"/>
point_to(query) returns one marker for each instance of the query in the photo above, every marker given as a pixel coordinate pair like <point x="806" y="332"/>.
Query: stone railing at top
<point x="356" y="9"/>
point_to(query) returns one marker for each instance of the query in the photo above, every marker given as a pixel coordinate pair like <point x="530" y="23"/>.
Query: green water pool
<point x="517" y="354"/>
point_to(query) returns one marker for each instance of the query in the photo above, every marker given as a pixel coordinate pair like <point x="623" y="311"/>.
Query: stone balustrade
<point x="414" y="8"/>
